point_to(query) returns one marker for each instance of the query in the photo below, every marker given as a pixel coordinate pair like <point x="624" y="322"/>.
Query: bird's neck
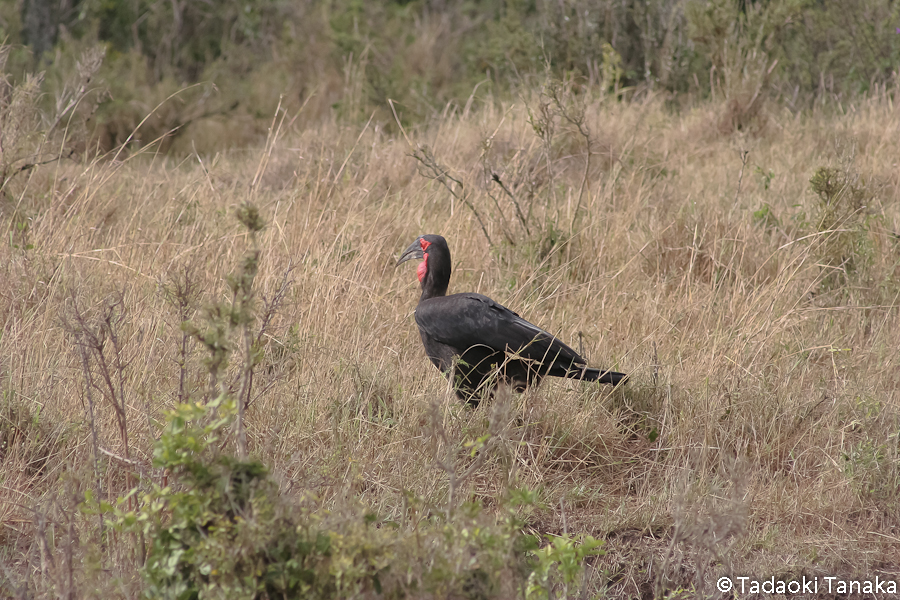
<point x="432" y="292"/>
<point x="433" y="287"/>
<point x="434" y="276"/>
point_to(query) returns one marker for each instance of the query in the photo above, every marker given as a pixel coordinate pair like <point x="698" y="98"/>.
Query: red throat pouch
<point x="423" y="267"/>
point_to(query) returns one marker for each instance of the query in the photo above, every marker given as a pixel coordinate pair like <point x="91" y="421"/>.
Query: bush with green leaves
<point x="219" y="529"/>
<point x="841" y="223"/>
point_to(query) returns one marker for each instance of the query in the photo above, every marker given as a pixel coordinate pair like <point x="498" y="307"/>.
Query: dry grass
<point x="758" y="435"/>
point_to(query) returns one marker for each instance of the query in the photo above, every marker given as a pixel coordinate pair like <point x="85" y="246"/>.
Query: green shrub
<point x="219" y="529"/>
<point x="841" y="220"/>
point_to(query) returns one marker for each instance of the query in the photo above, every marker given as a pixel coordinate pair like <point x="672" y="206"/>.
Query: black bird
<point x="470" y="337"/>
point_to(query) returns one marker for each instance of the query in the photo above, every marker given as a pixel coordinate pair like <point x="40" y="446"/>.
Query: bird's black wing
<point x="465" y="320"/>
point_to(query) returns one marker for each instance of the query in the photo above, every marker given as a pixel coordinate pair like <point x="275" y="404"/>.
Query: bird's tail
<point x="599" y="375"/>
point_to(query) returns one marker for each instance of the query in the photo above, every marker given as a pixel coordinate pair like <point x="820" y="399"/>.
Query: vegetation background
<point x="212" y="384"/>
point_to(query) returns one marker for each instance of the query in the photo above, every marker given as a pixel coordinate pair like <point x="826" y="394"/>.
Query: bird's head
<point x="434" y="270"/>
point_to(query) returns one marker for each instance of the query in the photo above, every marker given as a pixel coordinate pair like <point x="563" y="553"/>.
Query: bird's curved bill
<point x="414" y="251"/>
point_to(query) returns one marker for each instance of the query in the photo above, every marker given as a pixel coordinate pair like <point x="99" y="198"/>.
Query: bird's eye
<point x="424" y="243"/>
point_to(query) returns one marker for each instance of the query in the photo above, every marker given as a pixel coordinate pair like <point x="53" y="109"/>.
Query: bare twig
<point x="744" y="155"/>
<point x="121" y="459"/>
<point x="89" y="394"/>
<point x="270" y="308"/>
<point x="434" y="170"/>
<point x="93" y="337"/>
<point x="577" y="118"/>
<point x="503" y="223"/>
<point x="522" y="219"/>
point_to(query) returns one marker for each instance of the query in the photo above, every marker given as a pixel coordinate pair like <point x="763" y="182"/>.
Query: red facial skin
<point x="423" y="266"/>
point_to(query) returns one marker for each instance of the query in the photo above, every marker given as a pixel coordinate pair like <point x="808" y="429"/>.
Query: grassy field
<point x="748" y="281"/>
